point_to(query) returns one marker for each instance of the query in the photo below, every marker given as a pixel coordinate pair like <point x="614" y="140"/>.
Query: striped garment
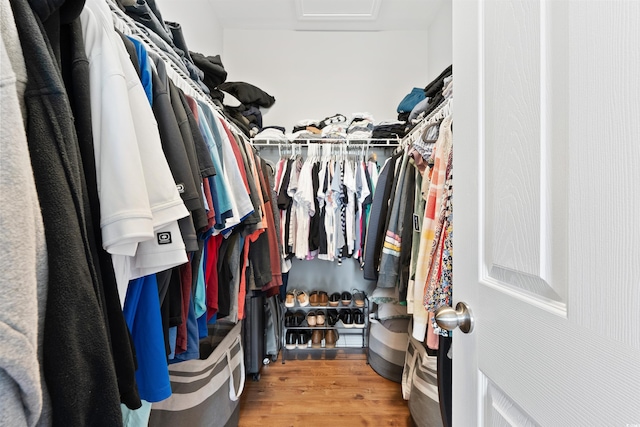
<point x="390" y="258"/>
<point x="431" y="228"/>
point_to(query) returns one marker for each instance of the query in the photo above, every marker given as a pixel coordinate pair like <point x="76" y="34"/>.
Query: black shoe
<point x="332" y="316"/>
<point x="288" y="319"/>
<point x="358" y="318"/>
<point x="303" y="339"/>
<point x="334" y="299"/>
<point x="291" y="340"/>
<point x="298" y="317"/>
<point x="346" y="298"/>
<point x="347" y="318"/>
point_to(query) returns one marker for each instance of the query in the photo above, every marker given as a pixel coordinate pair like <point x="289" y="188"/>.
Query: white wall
<point x="440" y="47"/>
<point x="318" y="74"/>
<point x="200" y="27"/>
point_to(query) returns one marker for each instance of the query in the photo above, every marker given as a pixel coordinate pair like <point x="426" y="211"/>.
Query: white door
<point x="547" y="212"/>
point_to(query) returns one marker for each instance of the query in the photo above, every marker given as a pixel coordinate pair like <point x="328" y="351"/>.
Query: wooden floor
<point x="312" y="390"/>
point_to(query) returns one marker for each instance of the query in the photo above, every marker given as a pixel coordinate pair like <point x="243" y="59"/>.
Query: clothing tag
<point x="416" y="223"/>
<point x="180" y="188"/>
<point x="164" y="238"/>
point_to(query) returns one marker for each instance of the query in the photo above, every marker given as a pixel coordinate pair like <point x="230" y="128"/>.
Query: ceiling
<point x="325" y="15"/>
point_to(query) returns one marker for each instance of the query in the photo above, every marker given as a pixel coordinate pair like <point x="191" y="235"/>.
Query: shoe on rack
<point x="332" y="317"/>
<point x="330" y="338"/>
<point x="314" y="299"/>
<point x="290" y="298"/>
<point x="358" y="298"/>
<point x="311" y="318"/>
<point x="346" y="298"/>
<point x="298" y="317"/>
<point x="320" y="318"/>
<point x="303" y="298"/>
<point x="347" y="317"/>
<point x="289" y="319"/>
<point x="358" y="318"/>
<point x="291" y="340"/>
<point x="323" y="299"/>
<point x="316" y="338"/>
<point x="303" y="338"/>
<point x="334" y="299"/>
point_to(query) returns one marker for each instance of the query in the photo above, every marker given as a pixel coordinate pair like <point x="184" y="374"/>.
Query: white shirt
<point x="140" y="204"/>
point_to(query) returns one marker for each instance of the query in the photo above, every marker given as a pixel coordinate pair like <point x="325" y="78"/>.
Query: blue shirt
<point x="142" y="314"/>
<point x="145" y="68"/>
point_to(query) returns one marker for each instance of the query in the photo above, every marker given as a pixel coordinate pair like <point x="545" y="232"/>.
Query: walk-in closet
<point x="240" y="213"/>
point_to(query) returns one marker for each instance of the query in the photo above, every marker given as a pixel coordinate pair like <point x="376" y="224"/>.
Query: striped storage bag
<point x="206" y="392"/>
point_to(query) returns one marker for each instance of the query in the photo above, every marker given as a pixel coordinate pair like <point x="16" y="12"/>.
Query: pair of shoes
<point x="316" y="338"/>
<point x="318" y="298"/>
<point x="352" y="318"/>
<point x="293" y="318"/>
<point x="334" y="299"/>
<point x="358" y="298"/>
<point x="316" y="318"/>
<point x="295" y="338"/>
<point x="358" y="318"/>
<point x="295" y="295"/>
<point x="347" y="317"/>
<point x="331" y="336"/>
<point x="346" y="298"/>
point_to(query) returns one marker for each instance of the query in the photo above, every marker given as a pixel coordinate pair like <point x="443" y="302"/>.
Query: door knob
<point x="448" y="318"/>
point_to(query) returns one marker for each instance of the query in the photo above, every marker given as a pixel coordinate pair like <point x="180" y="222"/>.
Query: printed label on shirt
<point x="416" y="223"/>
<point x="180" y="188"/>
<point x="164" y="238"/>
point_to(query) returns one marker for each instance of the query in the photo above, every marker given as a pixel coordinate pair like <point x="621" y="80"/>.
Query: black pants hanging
<point x="444" y="380"/>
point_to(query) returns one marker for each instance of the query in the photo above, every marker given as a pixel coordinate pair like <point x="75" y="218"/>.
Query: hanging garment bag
<point x="206" y="392"/>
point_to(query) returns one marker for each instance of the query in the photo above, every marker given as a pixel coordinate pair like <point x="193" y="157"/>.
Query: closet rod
<point x="371" y="142"/>
<point x="128" y="26"/>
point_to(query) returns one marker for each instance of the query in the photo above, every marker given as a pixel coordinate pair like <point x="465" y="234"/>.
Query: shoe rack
<point x="317" y="321"/>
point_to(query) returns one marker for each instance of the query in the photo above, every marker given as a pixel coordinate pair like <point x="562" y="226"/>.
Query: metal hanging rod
<point x="317" y="142"/>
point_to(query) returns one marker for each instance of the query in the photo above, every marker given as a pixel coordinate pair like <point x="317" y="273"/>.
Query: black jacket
<point x="378" y="218"/>
<point x="248" y="94"/>
<point x="175" y="153"/>
<point x="214" y="72"/>
<point x="75" y="72"/>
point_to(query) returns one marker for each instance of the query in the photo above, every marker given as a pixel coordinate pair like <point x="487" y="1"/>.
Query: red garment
<point x="243" y="270"/>
<point x="185" y="285"/>
<point x="211" y="274"/>
<point x="193" y="105"/>
<point x="237" y="154"/>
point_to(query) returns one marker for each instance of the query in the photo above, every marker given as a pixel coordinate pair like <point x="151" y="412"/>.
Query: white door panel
<point x="547" y="199"/>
